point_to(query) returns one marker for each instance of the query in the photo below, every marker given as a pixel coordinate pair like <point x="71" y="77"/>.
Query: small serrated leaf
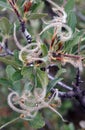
<point x="17" y="76"/>
<point x="28" y="73"/>
<point x="60" y="72"/>
<point x="38" y="5"/>
<point x="69" y="5"/>
<point x="27" y="70"/>
<point x="43" y="78"/>
<point x="10" y="71"/>
<point x="72" y="20"/>
<point x="16" y="57"/>
<point x="28" y="86"/>
<point x="44" y="49"/>
<point x="37" y="122"/>
<point x="16" y="85"/>
<point x="76" y="38"/>
<point x="53" y="83"/>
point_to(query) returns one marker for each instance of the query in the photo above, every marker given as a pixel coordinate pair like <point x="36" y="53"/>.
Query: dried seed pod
<point x="27" y="5"/>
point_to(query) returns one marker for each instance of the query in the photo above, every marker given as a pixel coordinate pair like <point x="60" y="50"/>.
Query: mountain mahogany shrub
<point x="33" y="86"/>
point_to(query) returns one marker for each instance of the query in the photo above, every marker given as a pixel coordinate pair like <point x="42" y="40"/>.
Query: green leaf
<point x="16" y="57"/>
<point x="17" y="86"/>
<point x="69" y="127"/>
<point x="28" y="72"/>
<point x="20" y="3"/>
<point x="28" y="86"/>
<point x="37" y="122"/>
<point x="60" y="72"/>
<point x="10" y="71"/>
<point x="42" y="77"/>
<point x="4" y="5"/>
<point x="75" y="41"/>
<point x="34" y="8"/>
<point x="69" y="5"/>
<point x="5" y="26"/>
<point x="36" y="15"/>
<point x="44" y="49"/>
<point x="4" y="81"/>
<point x="37" y="6"/>
<point x="72" y="21"/>
<point x="10" y="62"/>
<point x="53" y="83"/>
<point x="17" y="76"/>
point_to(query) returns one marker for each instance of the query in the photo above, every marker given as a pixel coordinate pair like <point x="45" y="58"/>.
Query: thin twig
<point x="9" y="123"/>
<point x="4" y="54"/>
<point x="61" y="83"/>
<point x="78" y="79"/>
<point x="64" y="85"/>
<point x="80" y="15"/>
<point x="67" y="95"/>
<point x="4" y="46"/>
<point x="22" y="22"/>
